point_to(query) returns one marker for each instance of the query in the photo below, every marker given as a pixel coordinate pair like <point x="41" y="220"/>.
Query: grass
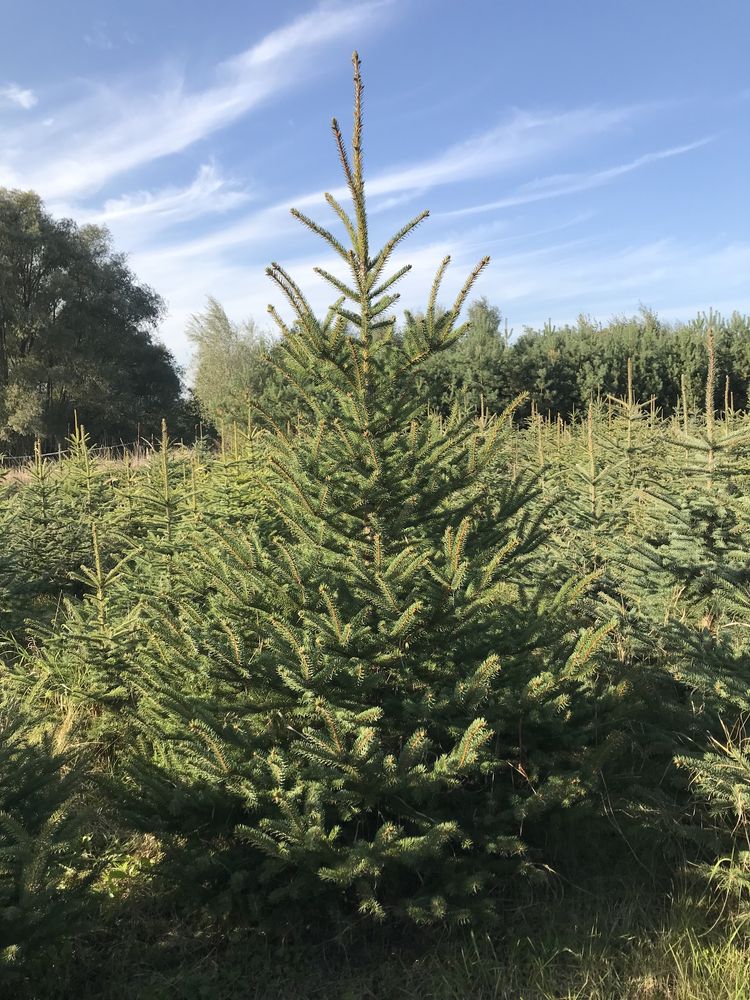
<point x="621" y="947"/>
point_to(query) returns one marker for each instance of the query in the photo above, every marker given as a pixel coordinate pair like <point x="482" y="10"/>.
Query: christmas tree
<point x="352" y="712"/>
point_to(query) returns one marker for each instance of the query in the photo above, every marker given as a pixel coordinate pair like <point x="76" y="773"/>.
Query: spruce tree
<point x="720" y="801"/>
<point x="43" y="878"/>
<point x="355" y="711"/>
<point x="80" y="664"/>
<point x="685" y="572"/>
<point x="46" y="539"/>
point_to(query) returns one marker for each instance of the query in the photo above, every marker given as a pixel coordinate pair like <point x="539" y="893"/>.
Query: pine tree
<point x="685" y="572"/>
<point x="48" y="510"/>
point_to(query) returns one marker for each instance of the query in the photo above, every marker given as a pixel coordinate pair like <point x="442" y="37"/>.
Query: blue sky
<point x="596" y="150"/>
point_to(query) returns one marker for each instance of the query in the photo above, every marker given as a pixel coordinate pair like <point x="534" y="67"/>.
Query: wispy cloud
<point x="210" y="192"/>
<point x="324" y="24"/>
<point x="21" y="97"/>
<point x="114" y="131"/>
<point x="558" y="185"/>
<point x="214" y="259"/>
<point x="522" y="139"/>
<point x="600" y="279"/>
<point x="525" y="136"/>
<point x="106" y="38"/>
<point x="98" y="37"/>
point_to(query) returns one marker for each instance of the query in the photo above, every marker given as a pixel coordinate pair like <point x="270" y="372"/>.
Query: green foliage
<point x="476" y="370"/>
<point x="341" y="699"/>
<point x="396" y="641"/>
<point x="42" y="878"/>
<point x="560" y="370"/>
<point x="76" y="332"/>
<point x="230" y="373"/>
<point x="720" y="780"/>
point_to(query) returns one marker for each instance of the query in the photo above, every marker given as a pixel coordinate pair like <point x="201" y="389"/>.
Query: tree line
<point x="79" y="344"/>
<point x="560" y="369"/>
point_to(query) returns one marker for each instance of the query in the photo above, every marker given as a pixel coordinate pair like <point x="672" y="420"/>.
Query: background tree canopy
<point x="560" y="368"/>
<point x="235" y="378"/>
<point x="76" y="333"/>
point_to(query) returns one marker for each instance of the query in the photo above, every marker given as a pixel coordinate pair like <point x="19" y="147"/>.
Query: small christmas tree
<point x="353" y="711"/>
<point x="43" y="879"/>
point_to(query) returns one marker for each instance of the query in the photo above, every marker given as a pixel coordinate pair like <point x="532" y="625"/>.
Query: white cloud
<point x="558" y="280"/>
<point x="99" y="38"/>
<point x="602" y="280"/>
<point x="324" y="24"/>
<point x="522" y="139"/>
<point x="531" y="281"/>
<point x="21" y="97"/>
<point x="208" y="193"/>
<point x="561" y="184"/>
<point x="114" y="131"/>
<point x="102" y="36"/>
<point x="549" y="277"/>
<point x="530" y="284"/>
